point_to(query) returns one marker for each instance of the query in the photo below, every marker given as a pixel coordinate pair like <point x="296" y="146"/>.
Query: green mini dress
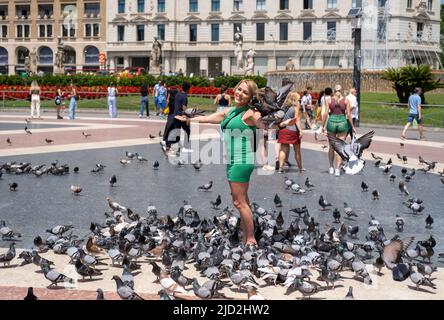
<point x="238" y="138"/>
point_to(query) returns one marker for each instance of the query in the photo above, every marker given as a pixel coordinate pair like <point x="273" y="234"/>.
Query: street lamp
<point x="274" y="50"/>
<point x="357" y="13"/>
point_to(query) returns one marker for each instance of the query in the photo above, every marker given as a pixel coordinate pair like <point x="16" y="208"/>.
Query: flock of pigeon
<point x="298" y="255"/>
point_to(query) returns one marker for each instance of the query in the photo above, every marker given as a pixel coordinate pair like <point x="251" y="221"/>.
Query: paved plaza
<point x="43" y="202"/>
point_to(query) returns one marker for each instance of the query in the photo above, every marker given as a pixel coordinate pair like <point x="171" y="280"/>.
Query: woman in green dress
<point x="239" y="124"/>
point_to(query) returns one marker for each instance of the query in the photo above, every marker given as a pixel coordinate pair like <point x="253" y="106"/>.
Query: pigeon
<point x="86" y="271"/>
<point x="336" y="216"/>
<point x="429" y="222"/>
<point x="100" y="295"/>
<point x="59" y="229"/>
<point x="13" y="186"/>
<point x="392" y="177"/>
<point x="124" y="291"/>
<point x="160" y="133"/>
<point x="7" y="257"/>
<point x="399" y="223"/>
<point x="425" y="269"/>
<point x="8" y="141"/>
<point x="151" y="136"/>
<point x="352" y="152"/>
<point x="253" y="294"/>
<point x="217" y="202"/>
<point x="76" y="189"/>
<point x="323" y="203"/>
<point x="113" y="180"/>
<point x="49" y="141"/>
<point x="156" y="164"/>
<point x="140" y="158"/>
<point x="30" y="295"/>
<point x="197" y="165"/>
<point x="288" y="183"/>
<point x="419" y="280"/>
<point x="402" y="187"/>
<point x="76" y="169"/>
<point x="86" y="135"/>
<point x="99" y="168"/>
<point x="392" y="252"/>
<point x="375" y="194"/>
<point x="124" y="162"/>
<point x="308" y="184"/>
<point x="54" y="276"/>
<point x="193" y="112"/>
<point x="349" y="211"/>
<point x="206" y="186"/>
<point x="353" y="231"/>
<point x="364" y="186"/>
<point x="203" y="292"/>
<point x="27" y="130"/>
<point x="349" y="295"/>
<point x="277" y="201"/>
<point x="376" y="157"/>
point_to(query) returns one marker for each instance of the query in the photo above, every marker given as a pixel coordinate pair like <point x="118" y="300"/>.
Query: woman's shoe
<point x="331" y="170"/>
<point x="268" y="168"/>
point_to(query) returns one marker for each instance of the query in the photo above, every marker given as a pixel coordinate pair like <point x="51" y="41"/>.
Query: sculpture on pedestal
<point x="33" y="61"/>
<point x="238" y="37"/>
<point x="60" y="57"/>
<point x="249" y="68"/>
<point x="289" y="66"/>
<point x="156" y="56"/>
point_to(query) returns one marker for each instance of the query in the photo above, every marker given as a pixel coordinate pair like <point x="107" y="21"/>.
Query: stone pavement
<point x="48" y="201"/>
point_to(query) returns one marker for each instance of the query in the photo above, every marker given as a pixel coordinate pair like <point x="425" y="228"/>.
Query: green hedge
<point x="93" y="80"/>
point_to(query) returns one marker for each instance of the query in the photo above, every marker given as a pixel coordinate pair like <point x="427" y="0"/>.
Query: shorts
<point x="337" y="124"/>
<point x="161" y="104"/>
<point x="413" y="116"/>
<point x="156" y="101"/>
<point x="289" y="137"/>
<point x="239" y="172"/>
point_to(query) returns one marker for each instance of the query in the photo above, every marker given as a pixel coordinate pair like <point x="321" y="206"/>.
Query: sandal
<point x="268" y="168"/>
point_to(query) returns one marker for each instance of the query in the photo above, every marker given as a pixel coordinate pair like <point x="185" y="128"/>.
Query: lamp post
<point x="274" y="50"/>
<point x="357" y="13"/>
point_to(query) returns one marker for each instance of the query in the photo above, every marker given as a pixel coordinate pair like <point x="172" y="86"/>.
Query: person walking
<point x="239" y="124"/>
<point x="166" y="145"/>
<point x="291" y="135"/>
<point x="60" y="104"/>
<point x="222" y="100"/>
<point x="353" y="105"/>
<point x="415" y="113"/>
<point x="144" y="103"/>
<point x="162" y="99"/>
<point x="112" y="100"/>
<point x="34" y="92"/>
<point x="73" y="98"/>
<point x="155" y="96"/>
<point x="337" y="122"/>
<point x="306" y="107"/>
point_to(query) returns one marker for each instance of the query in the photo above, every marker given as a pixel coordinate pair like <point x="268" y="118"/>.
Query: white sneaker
<point x="331" y="171"/>
<point x="163" y="143"/>
<point x="187" y="150"/>
<point x="337" y="172"/>
<point x="140" y="116"/>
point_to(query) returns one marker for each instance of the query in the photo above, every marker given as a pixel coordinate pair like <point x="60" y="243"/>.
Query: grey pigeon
<point x="30" y="295"/>
<point x="86" y="271"/>
<point x="54" y="276"/>
<point x="124" y="291"/>
<point x="7" y="257"/>
<point x="349" y="295"/>
<point x="100" y="295"/>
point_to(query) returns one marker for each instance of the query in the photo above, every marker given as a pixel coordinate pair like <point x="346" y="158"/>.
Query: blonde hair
<point x="292" y="98"/>
<point x="251" y="85"/>
<point x="338" y="93"/>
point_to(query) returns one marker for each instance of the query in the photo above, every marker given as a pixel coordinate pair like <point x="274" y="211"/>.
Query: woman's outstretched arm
<point x="214" y="118"/>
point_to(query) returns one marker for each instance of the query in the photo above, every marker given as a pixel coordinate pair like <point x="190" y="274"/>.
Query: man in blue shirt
<point x="414" y="113"/>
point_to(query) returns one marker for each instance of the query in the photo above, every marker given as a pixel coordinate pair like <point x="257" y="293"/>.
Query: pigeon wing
<point x="283" y="93"/>
<point x="392" y="253"/>
<point x="339" y="146"/>
<point x="364" y="142"/>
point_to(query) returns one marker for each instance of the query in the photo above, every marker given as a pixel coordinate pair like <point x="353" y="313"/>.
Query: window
<point x="160" y="5"/>
<point x="93" y="9"/>
<point x="215" y="5"/>
<point x="283" y="5"/>
<point x="236" y="26"/>
<point x="419" y="30"/>
<point x="68" y="30"/>
<point x="331" y="62"/>
<point x="430" y="5"/>
<point x="260" y="5"/>
<point x="49" y="30"/>
<point x="307" y="61"/>
<point x="331" y="30"/>
<point x="140" y="5"/>
<point x="23" y="31"/>
<point x="121" y="6"/>
<point x="283" y="31"/>
<point x="42" y="31"/>
<point x="140" y="32"/>
<point x="193" y="6"/>
<point x="356" y="3"/>
<point x="308" y="4"/>
<point x="193" y="32"/>
<point x="260" y="31"/>
<point x="92" y="30"/>
<point x="214" y="32"/>
<point x="120" y="33"/>
<point x="88" y="31"/>
<point x="45" y="10"/>
<point x="409" y="4"/>
<point x="381" y="3"/>
<point x="96" y="29"/>
<point x="161" y="32"/>
<point x="22" y="10"/>
<point x="3" y="11"/>
<point x="4" y="31"/>
<point x="237" y="5"/>
<point x="382" y="27"/>
<point x="26" y="31"/>
<point x="308" y="29"/>
<point x="332" y="4"/>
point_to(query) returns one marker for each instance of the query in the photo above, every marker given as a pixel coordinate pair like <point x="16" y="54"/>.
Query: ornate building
<point x="29" y="24"/>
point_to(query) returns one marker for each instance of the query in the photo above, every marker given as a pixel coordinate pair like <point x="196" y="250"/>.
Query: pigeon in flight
<point x="392" y="252"/>
<point x="27" y="130"/>
<point x="86" y="135"/>
<point x="113" y="180"/>
<point x="206" y="186"/>
<point x="351" y="152"/>
<point x="217" y="202"/>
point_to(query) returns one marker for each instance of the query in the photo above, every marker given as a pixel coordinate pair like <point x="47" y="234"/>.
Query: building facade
<point x="198" y="35"/>
<point x="26" y="25"/>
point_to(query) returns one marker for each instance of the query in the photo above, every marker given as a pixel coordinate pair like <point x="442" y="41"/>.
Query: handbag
<point x="58" y="101"/>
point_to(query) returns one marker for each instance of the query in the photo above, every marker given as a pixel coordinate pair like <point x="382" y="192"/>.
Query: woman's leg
<point x="32" y="108"/>
<point x="331" y="154"/>
<point x="297" y="155"/>
<point x="283" y="155"/>
<point x="114" y="108"/>
<point x="37" y="105"/>
<point x="239" y="193"/>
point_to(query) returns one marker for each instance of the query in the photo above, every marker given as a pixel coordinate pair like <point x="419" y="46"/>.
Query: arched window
<point x="22" y="53"/>
<point x="70" y="55"/>
<point x="91" y="55"/>
<point x="46" y="56"/>
<point x="3" y="56"/>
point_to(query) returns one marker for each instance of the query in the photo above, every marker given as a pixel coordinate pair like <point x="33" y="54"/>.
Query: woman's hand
<point x="182" y="118"/>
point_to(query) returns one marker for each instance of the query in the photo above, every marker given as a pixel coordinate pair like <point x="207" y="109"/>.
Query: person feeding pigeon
<point x="239" y="124"/>
<point x="337" y="122"/>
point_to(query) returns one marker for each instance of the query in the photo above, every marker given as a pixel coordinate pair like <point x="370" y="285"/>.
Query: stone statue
<point x="34" y="58"/>
<point x="156" y="57"/>
<point x="249" y="68"/>
<point x="238" y="37"/>
<point x="27" y="65"/>
<point x="60" y="55"/>
<point x="289" y="66"/>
